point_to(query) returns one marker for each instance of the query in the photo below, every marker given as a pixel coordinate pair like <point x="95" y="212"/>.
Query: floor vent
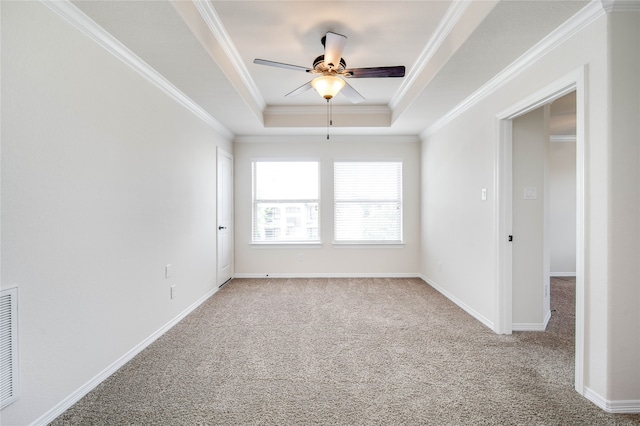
<point x="8" y="346"/>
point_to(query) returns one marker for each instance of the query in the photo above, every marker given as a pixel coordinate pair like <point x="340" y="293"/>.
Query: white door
<point x="225" y="217"/>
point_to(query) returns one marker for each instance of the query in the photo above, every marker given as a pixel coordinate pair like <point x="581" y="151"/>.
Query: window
<point x="368" y="202"/>
<point x="285" y="201"/>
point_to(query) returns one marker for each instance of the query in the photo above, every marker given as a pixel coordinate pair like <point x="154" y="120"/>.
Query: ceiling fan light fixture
<point x="328" y="85"/>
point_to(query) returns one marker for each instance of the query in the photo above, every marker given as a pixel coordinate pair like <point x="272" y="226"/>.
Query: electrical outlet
<point x="167" y="271"/>
<point x="300" y="257"/>
<point x="173" y="291"/>
<point x="439" y="266"/>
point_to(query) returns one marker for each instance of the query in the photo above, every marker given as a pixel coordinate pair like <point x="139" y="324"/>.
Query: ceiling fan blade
<point x="281" y="65"/>
<point x="300" y="90"/>
<point x="375" y="72"/>
<point x="333" y="46"/>
<point x="352" y="94"/>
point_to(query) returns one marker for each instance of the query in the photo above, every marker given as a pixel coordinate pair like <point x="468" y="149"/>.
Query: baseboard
<point x="532" y="326"/>
<point x="66" y="403"/>
<point x="562" y="274"/>
<point x="328" y="275"/>
<point x="460" y="303"/>
<point x="617" y="407"/>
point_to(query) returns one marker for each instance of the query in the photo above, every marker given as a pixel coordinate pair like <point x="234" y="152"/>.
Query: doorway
<point x="225" y="217"/>
<point x="543" y="209"/>
<point x="530" y="222"/>
<point x="573" y="82"/>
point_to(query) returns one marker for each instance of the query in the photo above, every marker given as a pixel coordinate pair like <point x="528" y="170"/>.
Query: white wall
<point x="460" y="158"/>
<point x="562" y="208"/>
<point x="327" y="260"/>
<point x="105" y="180"/>
<point x="457" y="242"/>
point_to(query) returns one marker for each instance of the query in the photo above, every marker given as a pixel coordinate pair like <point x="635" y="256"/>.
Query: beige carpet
<point x="346" y="352"/>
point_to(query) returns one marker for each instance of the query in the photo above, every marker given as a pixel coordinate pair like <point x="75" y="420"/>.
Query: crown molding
<point x="211" y="18"/>
<point x="334" y="139"/>
<point x="322" y="109"/>
<point x="74" y="16"/>
<point x="445" y="26"/>
<point x="621" y="5"/>
<point x="573" y="25"/>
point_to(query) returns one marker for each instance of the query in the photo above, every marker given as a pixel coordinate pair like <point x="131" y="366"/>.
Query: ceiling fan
<point x="332" y="68"/>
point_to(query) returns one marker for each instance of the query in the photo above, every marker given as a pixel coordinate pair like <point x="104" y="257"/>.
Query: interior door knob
<point x="222" y="227"/>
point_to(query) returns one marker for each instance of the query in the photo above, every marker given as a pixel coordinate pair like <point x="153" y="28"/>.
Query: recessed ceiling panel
<point x="379" y="33"/>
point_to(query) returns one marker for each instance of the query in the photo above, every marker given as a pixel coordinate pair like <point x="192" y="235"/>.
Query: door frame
<point x="574" y="81"/>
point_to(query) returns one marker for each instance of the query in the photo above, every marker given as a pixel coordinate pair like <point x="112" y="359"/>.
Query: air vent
<point x="8" y="346"/>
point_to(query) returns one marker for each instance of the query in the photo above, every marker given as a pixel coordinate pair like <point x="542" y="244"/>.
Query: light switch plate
<point x="531" y="193"/>
<point x="167" y="271"/>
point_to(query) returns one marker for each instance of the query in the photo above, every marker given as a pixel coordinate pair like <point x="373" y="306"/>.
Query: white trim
<point x="573" y="25"/>
<point x="328" y="275"/>
<point x="618" y="407"/>
<point x="285" y="244"/>
<point x="562" y="274"/>
<point x="547" y="94"/>
<point x="334" y="139"/>
<point x="475" y="314"/>
<point x="368" y="245"/>
<point x="575" y="80"/>
<point x="631" y="406"/>
<point x="74" y="16"/>
<point x="211" y="18"/>
<point x="621" y="5"/>
<point x="562" y="138"/>
<point x="74" y="397"/>
<point x="532" y="326"/>
<point x="440" y="34"/>
<point x="581" y="108"/>
<point x="503" y="227"/>
<point x="322" y="110"/>
<point x="528" y="326"/>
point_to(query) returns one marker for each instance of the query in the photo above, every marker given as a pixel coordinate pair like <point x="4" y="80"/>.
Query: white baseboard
<point x="532" y="326"/>
<point x="562" y="274"/>
<point x="460" y="303"/>
<point x="329" y="275"/>
<point x="618" y="407"/>
<point x="66" y="403"/>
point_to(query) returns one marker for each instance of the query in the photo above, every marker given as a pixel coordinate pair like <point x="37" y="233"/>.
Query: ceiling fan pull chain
<point x="328" y="119"/>
<point x="330" y="113"/>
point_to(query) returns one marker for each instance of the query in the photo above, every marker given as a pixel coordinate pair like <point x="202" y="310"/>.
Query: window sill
<point x="286" y="244"/>
<point x="368" y="244"/>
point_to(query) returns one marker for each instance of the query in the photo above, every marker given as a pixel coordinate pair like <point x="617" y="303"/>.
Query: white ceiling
<point x="206" y="49"/>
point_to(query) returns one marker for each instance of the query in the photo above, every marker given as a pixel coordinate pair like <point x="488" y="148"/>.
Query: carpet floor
<point x="346" y="352"/>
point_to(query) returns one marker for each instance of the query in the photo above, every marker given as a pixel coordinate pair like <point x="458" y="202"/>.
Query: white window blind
<point x="368" y="202"/>
<point x="286" y="201"/>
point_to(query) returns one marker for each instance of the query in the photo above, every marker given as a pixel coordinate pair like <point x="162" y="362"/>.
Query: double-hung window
<point x="286" y="201"/>
<point x="368" y="202"/>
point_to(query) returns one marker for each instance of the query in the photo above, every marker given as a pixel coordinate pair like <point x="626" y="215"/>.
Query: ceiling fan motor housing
<point x="319" y="65"/>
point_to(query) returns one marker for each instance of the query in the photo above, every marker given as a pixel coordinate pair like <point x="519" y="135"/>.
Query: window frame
<point x="399" y="243"/>
<point x="303" y="214"/>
